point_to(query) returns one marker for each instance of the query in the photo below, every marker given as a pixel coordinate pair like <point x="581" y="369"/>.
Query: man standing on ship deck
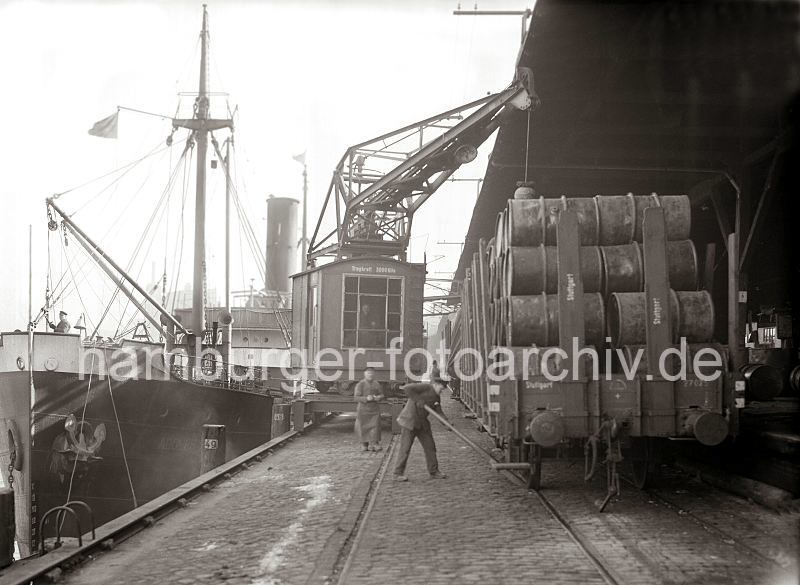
<point x="414" y="424"/>
<point x="368" y="413"/>
<point x="63" y="325"/>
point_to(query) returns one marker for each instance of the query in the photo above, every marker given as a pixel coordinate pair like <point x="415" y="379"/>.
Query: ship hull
<point x="115" y="444"/>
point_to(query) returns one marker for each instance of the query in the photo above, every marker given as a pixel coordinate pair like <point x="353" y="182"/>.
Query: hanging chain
<point x="11" y="469"/>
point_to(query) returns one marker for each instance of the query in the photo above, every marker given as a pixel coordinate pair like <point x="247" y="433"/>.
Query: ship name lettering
<point x="174" y="444"/>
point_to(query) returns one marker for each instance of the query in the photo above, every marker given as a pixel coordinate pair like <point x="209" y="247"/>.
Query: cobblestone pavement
<point x="473" y="527"/>
<point x="286" y="521"/>
<point x="268" y="525"/>
<point x="477" y="527"/>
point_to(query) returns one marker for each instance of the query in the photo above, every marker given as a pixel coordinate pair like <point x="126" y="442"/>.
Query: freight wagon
<point x="578" y="334"/>
<point x="635" y="100"/>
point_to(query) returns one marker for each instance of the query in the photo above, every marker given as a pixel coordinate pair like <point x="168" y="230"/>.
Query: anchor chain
<point x="11" y="469"/>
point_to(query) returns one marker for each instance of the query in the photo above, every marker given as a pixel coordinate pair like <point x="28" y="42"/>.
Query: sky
<point x="302" y="76"/>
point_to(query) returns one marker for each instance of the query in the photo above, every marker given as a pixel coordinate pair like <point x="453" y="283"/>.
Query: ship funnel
<point x="282" y="242"/>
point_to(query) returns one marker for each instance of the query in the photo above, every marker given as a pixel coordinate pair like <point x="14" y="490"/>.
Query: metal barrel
<point x="533" y="319"/>
<point x="627" y="318"/>
<point x="762" y="381"/>
<point x="531" y="222"/>
<point x="608" y="220"/>
<point x="794" y="379"/>
<point x="682" y="265"/>
<point x="530" y="271"/>
<point x="617" y="216"/>
<point x="621" y="216"/>
<point x="623" y="267"/>
<point x="692" y="317"/>
<point x="636" y="355"/>
<point x="677" y="214"/>
<point x="695" y="315"/>
<point x="524" y="192"/>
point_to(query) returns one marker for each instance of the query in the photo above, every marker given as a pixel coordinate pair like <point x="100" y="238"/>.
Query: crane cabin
<point x="369" y="310"/>
<point x="359" y="296"/>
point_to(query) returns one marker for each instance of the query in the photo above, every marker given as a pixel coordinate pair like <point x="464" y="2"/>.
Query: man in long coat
<point x="368" y="412"/>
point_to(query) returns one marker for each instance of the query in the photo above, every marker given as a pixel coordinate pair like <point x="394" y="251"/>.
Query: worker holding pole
<point x="414" y="424"/>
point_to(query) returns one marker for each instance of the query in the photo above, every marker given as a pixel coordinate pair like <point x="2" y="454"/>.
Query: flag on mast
<point x="301" y="158"/>
<point x="107" y="127"/>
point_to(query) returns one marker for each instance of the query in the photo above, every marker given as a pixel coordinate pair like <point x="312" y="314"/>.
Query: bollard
<point x="281" y="413"/>
<point x="213" y="454"/>
<point x="299" y="415"/>
<point x="7" y="527"/>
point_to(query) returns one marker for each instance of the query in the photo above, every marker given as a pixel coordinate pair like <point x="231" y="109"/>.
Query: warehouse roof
<point x="637" y="94"/>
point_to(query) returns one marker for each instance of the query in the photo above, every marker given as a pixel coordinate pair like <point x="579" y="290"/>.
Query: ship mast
<point x="201" y="124"/>
<point x="201" y="135"/>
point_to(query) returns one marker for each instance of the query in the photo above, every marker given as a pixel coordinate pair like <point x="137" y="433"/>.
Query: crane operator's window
<point x="373" y="310"/>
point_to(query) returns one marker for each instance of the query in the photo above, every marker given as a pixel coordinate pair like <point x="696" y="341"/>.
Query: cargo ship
<point x="117" y="422"/>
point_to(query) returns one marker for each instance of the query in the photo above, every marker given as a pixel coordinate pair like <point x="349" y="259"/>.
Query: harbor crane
<point x="378" y="185"/>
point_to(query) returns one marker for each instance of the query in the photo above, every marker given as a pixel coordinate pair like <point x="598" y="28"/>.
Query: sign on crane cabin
<point x="357" y="304"/>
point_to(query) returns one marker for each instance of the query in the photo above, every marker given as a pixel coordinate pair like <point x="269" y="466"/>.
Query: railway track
<point x="781" y="561"/>
<point x="344" y="561"/>
<point x="346" y="537"/>
<point x="711" y="527"/>
<point x="605" y="570"/>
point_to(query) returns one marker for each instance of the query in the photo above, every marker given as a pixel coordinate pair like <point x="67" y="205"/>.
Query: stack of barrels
<point x="523" y="270"/>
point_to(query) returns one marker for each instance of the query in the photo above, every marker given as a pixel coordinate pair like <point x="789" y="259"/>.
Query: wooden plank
<point x="659" y="312"/>
<point x="483" y="296"/>
<point x="658" y="395"/>
<point x="571" y="323"/>
<point x="480" y="393"/>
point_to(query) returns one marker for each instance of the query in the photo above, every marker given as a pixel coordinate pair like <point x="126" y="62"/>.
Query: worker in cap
<point x="368" y="413"/>
<point x="63" y="325"/>
<point x="414" y="424"/>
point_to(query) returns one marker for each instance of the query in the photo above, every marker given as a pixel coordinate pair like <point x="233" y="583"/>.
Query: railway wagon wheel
<point x="323" y="387"/>
<point x="643" y="459"/>
<point x="346" y="388"/>
<point x="535" y="472"/>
